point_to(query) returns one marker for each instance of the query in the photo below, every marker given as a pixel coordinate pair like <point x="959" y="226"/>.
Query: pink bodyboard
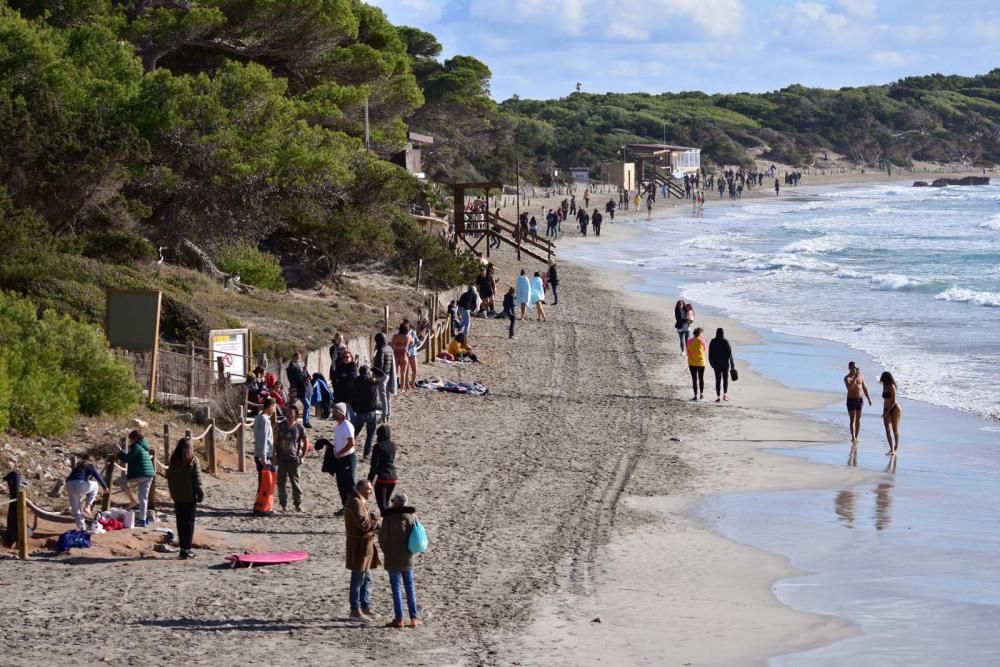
<point x="268" y="558"/>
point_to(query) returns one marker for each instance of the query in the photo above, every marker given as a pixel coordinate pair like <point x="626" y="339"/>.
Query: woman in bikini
<point x="399" y="343"/>
<point x="891" y="412"/>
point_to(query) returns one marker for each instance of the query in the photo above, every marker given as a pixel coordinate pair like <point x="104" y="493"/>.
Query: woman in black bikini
<point x="891" y="412"/>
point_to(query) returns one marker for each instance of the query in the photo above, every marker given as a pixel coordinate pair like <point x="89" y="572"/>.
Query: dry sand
<point x="562" y="496"/>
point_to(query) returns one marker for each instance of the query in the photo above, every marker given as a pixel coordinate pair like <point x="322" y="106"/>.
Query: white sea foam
<point x="895" y="281"/>
<point x="993" y="223"/>
<point x="819" y="244"/>
<point x="975" y="297"/>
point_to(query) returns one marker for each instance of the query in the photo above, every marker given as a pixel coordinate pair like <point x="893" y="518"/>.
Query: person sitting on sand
<point x="81" y="487"/>
<point x="696" y="354"/>
<point x="360" y="527"/>
<point x="184" y="482"/>
<point x="855" y="383"/>
<point x="394" y="538"/>
<point x="461" y="350"/>
<point x="720" y="358"/>
<point x="139" y="473"/>
<point x="891" y="412"/>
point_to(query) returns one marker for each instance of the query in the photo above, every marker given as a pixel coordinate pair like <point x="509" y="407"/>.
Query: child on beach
<point x="508" y="309"/>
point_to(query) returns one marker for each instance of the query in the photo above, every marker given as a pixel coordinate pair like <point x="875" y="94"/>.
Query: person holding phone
<point x="854" y="381"/>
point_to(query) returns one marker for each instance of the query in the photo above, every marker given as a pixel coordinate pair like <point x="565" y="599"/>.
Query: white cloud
<point x="813" y="12"/>
<point x="889" y="58"/>
<point x="628" y="19"/>
<point x="866" y="9"/>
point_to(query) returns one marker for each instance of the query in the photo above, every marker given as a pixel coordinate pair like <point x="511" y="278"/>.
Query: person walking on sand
<point x="554" y="283"/>
<point x="394" y="538"/>
<point x="184" y="482"/>
<point x="777" y="188"/>
<point x="682" y="325"/>
<point x="523" y="293"/>
<point x="364" y="404"/>
<point x="383" y="469"/>
<point x="81" y="487"/>
<point x="360" y="527"/>
<point x="696" y="354"/>
<point x="340" y="457"/>
<point x="720" y="358"/>
<point x="509" y="304"/>
<point x="300" y="379"/>
<point x="538" y="296"/>
<point x="382" y="369"/>
<point x="399" y="343"/>
<point x="891" y="412"/>
<point x="290" y="447"/>
<point x="140" y="472"/>
<point x="855" y="383"/>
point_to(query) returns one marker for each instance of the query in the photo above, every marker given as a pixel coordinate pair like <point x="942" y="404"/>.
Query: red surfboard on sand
<point x="267" y="558"/>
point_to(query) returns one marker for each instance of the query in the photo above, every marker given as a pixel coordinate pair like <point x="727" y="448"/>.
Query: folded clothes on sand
<point x="469" y="388"/>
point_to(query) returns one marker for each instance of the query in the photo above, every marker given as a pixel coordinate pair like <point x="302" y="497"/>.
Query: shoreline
<point x="724" y="610"/>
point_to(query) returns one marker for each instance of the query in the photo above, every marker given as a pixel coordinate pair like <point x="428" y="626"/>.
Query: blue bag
<point x="417" y="541"/>
<point x="73" y="539"/>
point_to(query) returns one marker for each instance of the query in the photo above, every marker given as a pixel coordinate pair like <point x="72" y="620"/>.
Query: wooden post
<point x="109" y="472"/>
<point x="420" y="269"/>
<point x="220" y="367"/>
<point x="241" y="442"/>
<point x="22" y="524"/>
<point x="166" y="444"/>
<point x="213" y="465"/>
<point x="385" y="327"/>
<point x="151" y="498"/>
<point x="190" y="372"/>
<point x="154" y="363"/>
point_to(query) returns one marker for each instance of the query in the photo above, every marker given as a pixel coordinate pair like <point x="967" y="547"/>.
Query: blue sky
<point x="541" y="48"/>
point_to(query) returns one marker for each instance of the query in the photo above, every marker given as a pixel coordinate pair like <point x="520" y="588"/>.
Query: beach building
<point x="679" y="160"/>
<point x="620" y="174"/>
<point x="411" y="157"/>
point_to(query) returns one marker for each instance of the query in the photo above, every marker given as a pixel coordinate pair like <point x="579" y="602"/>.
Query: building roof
<point x="654" y="149"/>
<point x="420" y="138"/>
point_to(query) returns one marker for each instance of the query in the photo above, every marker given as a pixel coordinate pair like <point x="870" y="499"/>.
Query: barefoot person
<point x="891" y="412"/>
<point x="856" y="388"/>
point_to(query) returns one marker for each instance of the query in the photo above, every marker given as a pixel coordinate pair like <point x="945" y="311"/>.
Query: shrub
<point x="254" y="267"/>
<point x="442" y="267"/>
<point x="117" y="247"/>
<point x="54" y="367"/>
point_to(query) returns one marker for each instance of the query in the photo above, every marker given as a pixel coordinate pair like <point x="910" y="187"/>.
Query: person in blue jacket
<point x="81" y="487"/>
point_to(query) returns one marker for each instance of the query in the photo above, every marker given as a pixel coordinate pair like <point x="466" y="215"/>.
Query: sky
<point x="540" y="49"/>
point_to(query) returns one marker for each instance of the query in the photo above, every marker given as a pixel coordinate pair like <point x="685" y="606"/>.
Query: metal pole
<point x="367" y="135"/>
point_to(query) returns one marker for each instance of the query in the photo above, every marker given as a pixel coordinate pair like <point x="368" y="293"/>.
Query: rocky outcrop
<point x="942" y="182"/>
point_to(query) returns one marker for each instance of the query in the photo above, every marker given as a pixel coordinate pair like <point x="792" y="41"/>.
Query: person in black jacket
<point x="364" y="402"/>
<point x="184" y="482"/>
<point x="343" y="378"/>
<point x="382" y="364"/>
<point x="554" y="283"/>
<point x="509" y="304"/>
<point x="383" y="468"/>
<point x="720" y="358"/>
<point x="300" y="380"/>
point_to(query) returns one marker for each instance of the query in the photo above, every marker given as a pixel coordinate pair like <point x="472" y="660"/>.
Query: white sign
<point x="233" y="347"/>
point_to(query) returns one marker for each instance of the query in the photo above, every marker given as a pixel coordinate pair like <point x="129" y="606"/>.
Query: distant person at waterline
<point x="856" y="388"/>
<point x="891" y="412"/>
<point x="697" y="354"/>
<point x="720" y="358"/>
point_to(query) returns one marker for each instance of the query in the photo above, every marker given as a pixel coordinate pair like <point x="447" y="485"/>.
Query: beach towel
<point x="523" y="290"/>
<point x="467" y="388"/>
<point x="537" y="291"/>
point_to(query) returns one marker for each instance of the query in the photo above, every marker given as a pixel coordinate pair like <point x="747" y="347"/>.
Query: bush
<point x="442" y="267"/>
<point x="254" y="267"/>
<point x="117" y="247"/>
<point x="53" y="367"/>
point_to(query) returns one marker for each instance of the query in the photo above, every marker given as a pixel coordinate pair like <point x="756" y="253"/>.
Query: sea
<point x="895" y="278"/>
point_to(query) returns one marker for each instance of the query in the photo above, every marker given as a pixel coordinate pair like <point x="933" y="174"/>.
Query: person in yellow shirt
<point x="697" y="353"/>
<point x="461" y="350"/>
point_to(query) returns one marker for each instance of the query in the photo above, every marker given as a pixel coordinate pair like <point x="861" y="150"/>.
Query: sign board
<point x="233" y="346"/>
<point x="132" y="319"/>
<point x="580" y="175"/>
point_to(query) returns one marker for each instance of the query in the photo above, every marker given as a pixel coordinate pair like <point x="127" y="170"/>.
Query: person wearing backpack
<point x="394" y="538"/>
<point x="290" y="447"/>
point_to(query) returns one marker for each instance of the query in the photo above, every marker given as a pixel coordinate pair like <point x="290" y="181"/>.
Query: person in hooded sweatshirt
<point x="394" y="538"/>
<point x="720" y="358"/>
<point x="382" y="370"/>
<point x="383" y="470"/>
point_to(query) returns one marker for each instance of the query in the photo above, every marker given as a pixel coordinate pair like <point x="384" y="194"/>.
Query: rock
<point x="968" y="180"/>
<point x="596" y="620"/>
<point x="920" y="184"/>
<point x="138" y="423"/>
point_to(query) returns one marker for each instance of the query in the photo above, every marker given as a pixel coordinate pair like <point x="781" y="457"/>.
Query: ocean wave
<point x="895" y="281"/>
<point x="722" y="242"/>
<point x="819" y="244"/>
<point x="975" y="297"/>
<point x="993" y="223"/>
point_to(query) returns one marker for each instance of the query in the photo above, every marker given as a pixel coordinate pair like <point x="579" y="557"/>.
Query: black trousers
<point x="721" y="380"/>
<point x="383" y="492"/>
<point x="697" y="379"/>
<point x="345" y="477"/>
<point x="509" y="314"/>
<point x="185" y="524"/>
